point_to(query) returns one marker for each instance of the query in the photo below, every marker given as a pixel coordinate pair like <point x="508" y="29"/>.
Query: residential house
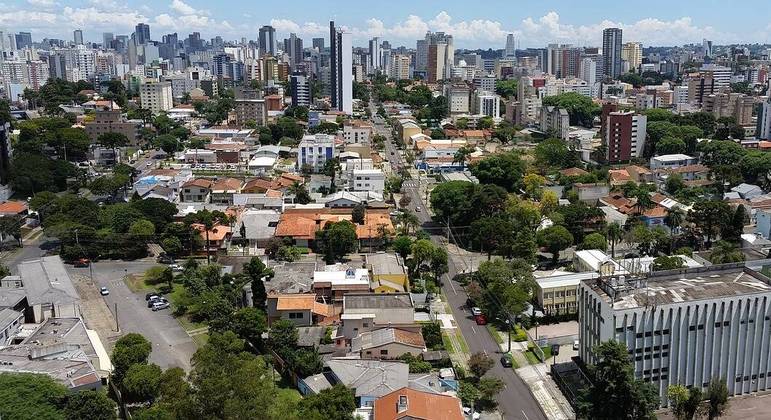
<point x="301" y="224"/>
<point x="387" y="343"/>
<point x="218" y="237"/>
<point x="43" y="289"/>
<point x="196" y="191"/>
<point x="388" y="275"/>
<point x="363" y="312"/>
<point x="408" y="404"/>
<point x="368" y="180"/>
<point x="302" y="309"/>
<point x="747" y="191"/>
<point x="406" y="128"/>
<point x="335" y="281"/>
<point x="258" y="227"/>
<point x="223" y="189"/>
<point x="672" y="161"/>
<point x="591" y="193"/>
<point x="369" y="379"/>
<point x="14" y="208"/>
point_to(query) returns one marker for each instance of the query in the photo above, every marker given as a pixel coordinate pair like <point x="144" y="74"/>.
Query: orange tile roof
<point x="304" y="302"/>
<point x="764" y="145"/>
<point x="198" y="182"/>
<point x="408" y="337"/>
<point x="619" y="175"/>
<point x="419" y="405"/>
<point x="691" y="168"/>
<point x="639" y="169"/>
<point x="217" y="233"/>
<point x="13" y="207"/>
<point x="164" y="172"/>
<point x="658" y="211"/>
<point x="274" y="194"/>
<point x="227" y="184"/>
<point x="303" y="223"/>
<point x="257" y="183"/>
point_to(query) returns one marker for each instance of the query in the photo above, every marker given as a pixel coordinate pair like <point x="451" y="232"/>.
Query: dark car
<point x="506" y="361"/>
<point x="151" y="294"/>
<point x="165" y="259"/>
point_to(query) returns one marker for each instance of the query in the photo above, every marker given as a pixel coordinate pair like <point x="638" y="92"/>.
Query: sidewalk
<point x="457" y="347"/>
<point x="541" y="385"/>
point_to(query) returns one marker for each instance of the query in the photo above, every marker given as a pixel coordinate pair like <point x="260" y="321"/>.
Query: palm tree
<point x="674" y="219"/>
<point x="614" y="233"/>
<point x="644" y="202"/>
<point x="408" y="220"/>
<point x="725" y="252"/>
<point x="461" y="155"/>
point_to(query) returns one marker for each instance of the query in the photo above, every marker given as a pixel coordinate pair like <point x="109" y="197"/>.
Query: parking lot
<point x="172" y="346"/>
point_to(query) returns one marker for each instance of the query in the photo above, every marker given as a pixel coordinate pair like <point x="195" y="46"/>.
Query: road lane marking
<point x="473" y="329"/>
<point x="525" y="415"/>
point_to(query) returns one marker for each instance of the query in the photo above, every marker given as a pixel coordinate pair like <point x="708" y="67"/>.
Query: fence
<point x="570" y="379"/>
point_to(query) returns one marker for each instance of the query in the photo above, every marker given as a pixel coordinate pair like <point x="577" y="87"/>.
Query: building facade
<point x="156" y="96"/>
<point x="611" y="52"/>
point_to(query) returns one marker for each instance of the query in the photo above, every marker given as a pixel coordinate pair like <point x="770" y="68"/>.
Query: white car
<point x="417" y="209"/>
<point x="176" y="268"/>
<point x="104" y="291"/>
<point x="161" y="304"/>
<point x="476" y="311"/>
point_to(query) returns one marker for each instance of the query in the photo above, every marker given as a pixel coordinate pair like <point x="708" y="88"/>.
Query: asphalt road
<point x="171" y="344"/>
<point x="515" y="401"/>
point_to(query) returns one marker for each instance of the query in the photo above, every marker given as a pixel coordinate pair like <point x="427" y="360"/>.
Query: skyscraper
<point x="421" y="55"/>
<point x="107" y="38"/>
<point x="441" y="56"/>
<point x="142" y="33"/>
<point x="23" y="40"/>
<point x="341" y="69"/>
<point x="374" y="54"/>
<point x="301" y="91"/>
<point x="631" y="52"/>
<point x="293" y="47"/>
<point x="77" y="36"/>
<point x="611" y="52"/>
<point x="318" y="43"/>
<point x="267" y="40"/>
<point x="511" y="46"/>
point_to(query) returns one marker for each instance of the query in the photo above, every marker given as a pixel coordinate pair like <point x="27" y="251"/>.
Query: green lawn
<point x="447" y="344"/>
<point x="136" y="283"/>
<point x="533" y="359"/>
<point x="494" y="332"/>
<point x="200" y="339"/>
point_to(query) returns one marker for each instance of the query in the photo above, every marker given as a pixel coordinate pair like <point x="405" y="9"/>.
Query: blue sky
<point x="474" y="23"/>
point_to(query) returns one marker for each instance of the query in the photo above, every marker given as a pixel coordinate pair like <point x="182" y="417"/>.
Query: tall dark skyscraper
<point x="333" y="60"/>
<point x="142" y="33"/>
<point x="293" y="46"/>
<point x="23" y="40"/>
<point x="611" y="52"/>
<point x="318" y="43"/>
<point x="267" y="40"/>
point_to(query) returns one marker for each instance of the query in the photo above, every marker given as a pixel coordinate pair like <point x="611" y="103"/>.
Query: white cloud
<point x="287" y="26"/>
<point x="41" y="3"/>
<point x="182" y="8"/>
<point x="92" y="17"/>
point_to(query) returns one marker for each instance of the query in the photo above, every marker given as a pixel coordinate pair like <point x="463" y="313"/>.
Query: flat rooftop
<point x="677" y="286"/>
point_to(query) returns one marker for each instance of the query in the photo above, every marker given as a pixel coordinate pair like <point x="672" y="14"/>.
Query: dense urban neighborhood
<point x="199" y="228"/>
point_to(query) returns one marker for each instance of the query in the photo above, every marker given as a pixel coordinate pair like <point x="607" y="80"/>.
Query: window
<point x="384" y="352"/>
<point x="365" y="325"/>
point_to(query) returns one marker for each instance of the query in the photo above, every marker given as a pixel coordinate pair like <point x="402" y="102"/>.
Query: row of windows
<point x="747" y="378"/>
<point x="652" y="356"/>
<point x="560" y="294"/>
<point x="648" y="349"/>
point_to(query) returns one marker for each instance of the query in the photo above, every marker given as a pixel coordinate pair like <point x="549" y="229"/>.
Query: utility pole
<point x="117" y="325"/>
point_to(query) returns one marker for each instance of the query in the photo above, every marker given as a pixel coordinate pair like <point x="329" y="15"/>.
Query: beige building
<point x="737" y="105"/>
<point x="387" y="343"/>
<point x="156" y="96"/>
<point x="112" y="122"/>
<point x="400" y="66"/>
<point x="557" y="293"/>
<point x="631" y="52"/>
<point x="250" y="106"/>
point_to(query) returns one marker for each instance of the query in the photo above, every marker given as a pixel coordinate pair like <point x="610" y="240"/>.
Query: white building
<point x="764" y="121"/>
<point x="357" y="132"/>
<point x="458" y="98"/>
<point x="368" y="180"/>
<point x="672" y="161"/>
<point x="721" y="74"/>
<point x="400" y="67"/>
<point x="589" y="71"/>
<point x="684" y="327"/>
<point x="315" y="150"/>
<point x="556" y="120"/>
<point x="488" y="104"/>
<point x="156" y="96"/>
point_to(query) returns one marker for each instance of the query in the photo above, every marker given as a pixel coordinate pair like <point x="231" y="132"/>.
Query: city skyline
<point x="660" y="24"/>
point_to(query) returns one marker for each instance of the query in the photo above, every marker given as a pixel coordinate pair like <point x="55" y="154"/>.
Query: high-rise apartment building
<point x="421" y="55"/>
<point x="511" y="46"/>
<point x="631" y="52"/>
<point x="267" y="40"/>
<point x="611" y="52"/>
<point x="249" y="105"/>
<point x="77" y="36"/>
<point x="623" y="135"/>
<point x="23" y="40"/>
<point x="107" y="39"/>
<point x="441" y="56"/>
<point x="293" y="47"/>
<point x="142" y="33"/>
<point x="763" y="130"/>
<point x="156" y="96"/>
<point x="400" y="67"/>
<point x="301" y="90"/>
<point x="589" y="70"/>
<point x="341" y="69"/>
<point x="374" y="55"/>
<point x="318" y="44"/>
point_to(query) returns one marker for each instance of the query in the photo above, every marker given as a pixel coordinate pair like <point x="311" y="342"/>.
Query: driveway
<point x="171" y="344"/>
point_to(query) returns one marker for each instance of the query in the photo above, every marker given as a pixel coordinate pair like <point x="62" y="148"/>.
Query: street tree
<point x="555" y="239"/>
<point x="336" y="240"/>
<point x="717" y="395"/>
<point x="479" y="363"/>
<point x="140" y="385"/>
<point x="595" y="241"/>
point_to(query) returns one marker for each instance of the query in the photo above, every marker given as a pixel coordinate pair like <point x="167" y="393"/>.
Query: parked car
<point x="153" y="300"/>
<point x="165" y="259"/>
<point x="161" y="304"/>
<point x="151" y="294"/>
<point x="476" y="311"/>
<point x="176" y="268"/>
<point x="480" y="319"/>
<point x="103" y="291"/>
<point x="506" y="361"/>
<point x="83" y="262"/>
<point x="575" y="345"/>
<point x="417" y="209"/>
